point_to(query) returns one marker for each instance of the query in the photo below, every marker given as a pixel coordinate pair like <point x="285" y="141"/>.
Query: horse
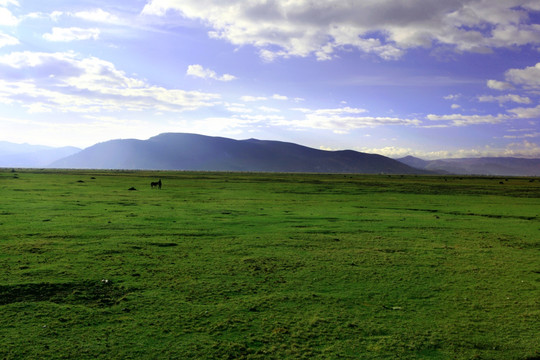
<point x="156" y="184"/>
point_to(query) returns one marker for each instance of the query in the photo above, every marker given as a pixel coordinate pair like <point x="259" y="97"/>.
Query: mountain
<point x="31" y="156"/>
<point x="502" y="166"/>
<point x="179" y="151"/>
<point x="7" y="148"/>
<point x="414" y="162"/>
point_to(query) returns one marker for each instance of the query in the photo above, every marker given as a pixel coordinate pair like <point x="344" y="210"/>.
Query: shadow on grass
<point x="101" y="293"/>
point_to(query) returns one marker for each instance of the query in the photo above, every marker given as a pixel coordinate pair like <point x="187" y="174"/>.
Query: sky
<point x="427" y="78"/>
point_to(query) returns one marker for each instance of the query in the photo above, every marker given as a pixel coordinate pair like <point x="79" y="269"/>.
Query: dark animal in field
<point x="156" y="184"/>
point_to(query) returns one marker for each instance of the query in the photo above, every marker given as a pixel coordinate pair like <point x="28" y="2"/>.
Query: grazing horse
<point x="156" y="184"/>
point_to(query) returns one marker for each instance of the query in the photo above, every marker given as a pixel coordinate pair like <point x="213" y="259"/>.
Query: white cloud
<point x="528" y="77"/>
<point x="9" y="2"/>
<point x="37" y="108"/>
<point x="464" y="120"/>
<point x="523" y="149"/>
<point x="386" y="28"/>
<point x="71" y="34"/>
<point x="528" y="135"/>
<point x="7" y="40"/>
<point x="337" y="111"/>
<point x="393" y="152"/>
<point x="452" y="97"/>
<point x="226" y="77"/>
<point x="526" y="113"/>
<point x="519" y="149"/>
<point x="84" y="130"/>
<point x="341" y="120"/>
<point x="7" y="18"/>
<point x="97" y="15"/>
<point x="259" y="114"/>
<point x="201" y="72"/>
<point x="455" y="106"/>
<point x="56" y="15"/>
<point x="279" y="97"/>
<point x="94" y="15"/>
<point x="505" y="98"/>
<point x="532" y="5"/>
<point x="218" y="126"/>
<point x="268" y="109"/>
<point x="66" y="82"/>
<point x="507" y="35"/>
<point x="499" y="85"/>
<point x="249" y="98"/>
<point x="261" y="117"/>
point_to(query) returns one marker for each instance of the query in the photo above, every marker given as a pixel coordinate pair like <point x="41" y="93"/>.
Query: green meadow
<point x="268" y="266"/>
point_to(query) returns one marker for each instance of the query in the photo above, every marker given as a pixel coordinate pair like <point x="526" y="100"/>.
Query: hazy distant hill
<point x="7" y="148"/>
<point x="503" y="166"/>
<point x="177" y="151"/>
<point x="31" y="156"/>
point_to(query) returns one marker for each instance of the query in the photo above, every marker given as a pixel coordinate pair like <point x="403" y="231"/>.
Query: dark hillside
<point x="178" y="151"/>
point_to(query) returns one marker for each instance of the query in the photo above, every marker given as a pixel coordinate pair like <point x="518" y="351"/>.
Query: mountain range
<point x="502" y="166"/>
<point x="180" y="151"/>
<point x="31" y="156"/>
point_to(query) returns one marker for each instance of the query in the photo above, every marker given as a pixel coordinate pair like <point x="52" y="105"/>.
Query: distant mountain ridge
<point x="502" y="166"/>
<point x="31" y="156"/>
<point x="180" y="151"/>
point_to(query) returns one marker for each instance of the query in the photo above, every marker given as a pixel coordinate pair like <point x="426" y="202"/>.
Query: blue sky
<point x="434" y="79"/>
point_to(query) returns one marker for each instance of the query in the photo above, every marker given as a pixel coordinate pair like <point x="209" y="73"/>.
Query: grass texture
<point x="268" y="266"/>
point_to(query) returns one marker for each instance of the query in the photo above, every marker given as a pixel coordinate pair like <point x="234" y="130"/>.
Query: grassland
<point x="268" y="266"/>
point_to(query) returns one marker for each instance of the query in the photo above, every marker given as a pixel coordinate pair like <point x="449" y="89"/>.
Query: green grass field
<point x="268" y="266"/>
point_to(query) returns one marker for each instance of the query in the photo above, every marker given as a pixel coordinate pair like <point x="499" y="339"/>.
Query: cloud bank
<point x="386" y="28"/>
<point x="342" y="120"/>
<point x="7" y="18"/>
<point x="67" y="82"/>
